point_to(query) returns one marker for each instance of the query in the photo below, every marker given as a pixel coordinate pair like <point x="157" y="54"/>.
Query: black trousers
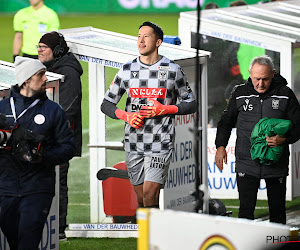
<point x="276" y="192"/>
<point x="22" y="219"/>
<point x="63" y="196"/>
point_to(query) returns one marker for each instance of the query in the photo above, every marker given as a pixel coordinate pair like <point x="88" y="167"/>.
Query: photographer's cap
<point x="26" y="67"/>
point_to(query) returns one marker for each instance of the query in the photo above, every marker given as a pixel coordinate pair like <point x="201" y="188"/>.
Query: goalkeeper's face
<point x="147" y="41"/>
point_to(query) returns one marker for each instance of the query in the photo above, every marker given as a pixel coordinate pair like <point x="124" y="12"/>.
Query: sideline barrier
<point x="106" y="230"/>
<point x="182" y="230"/>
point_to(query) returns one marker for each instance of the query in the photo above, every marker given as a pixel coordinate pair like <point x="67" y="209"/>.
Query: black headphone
<point x="59" y="49"/>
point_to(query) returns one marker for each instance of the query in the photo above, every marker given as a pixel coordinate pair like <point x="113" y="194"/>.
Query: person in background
<point x="245" y="52"/>
<point x="149" y="116"/>
<point x="29" y="25"/>
<point x="237" y="3"/>
<point x="54" y="53"/>
<point x="264" y="94"/>
<point x="41" y="138"/>
<point x="211" y="6"/>
<point x="224" y="61"/>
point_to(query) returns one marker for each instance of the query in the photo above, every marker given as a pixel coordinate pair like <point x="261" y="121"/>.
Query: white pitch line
<point x="238" y="207"/>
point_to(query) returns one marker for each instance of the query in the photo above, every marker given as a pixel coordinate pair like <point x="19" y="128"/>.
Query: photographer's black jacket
<point x="245" y="108"/>
<point x="18" y="178"/>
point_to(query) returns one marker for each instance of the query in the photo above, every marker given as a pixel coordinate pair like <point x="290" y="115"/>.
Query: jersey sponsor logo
<point x="164" y="67"/>
<point x="148" y="92"/>
<point x="247" y="106"/>
<point x="275" y="104"/>
<point x="136" y="107"/>
<point x="162" y="75"/>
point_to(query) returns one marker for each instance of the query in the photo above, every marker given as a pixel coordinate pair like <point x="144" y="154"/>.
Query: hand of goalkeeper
<point x="157" y="109"/>
<point x="134" y="119"/>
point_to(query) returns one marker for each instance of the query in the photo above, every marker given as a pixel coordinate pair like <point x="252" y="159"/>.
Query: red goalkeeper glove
<point x="134" y="119"/>
<point x="157" y="109"/>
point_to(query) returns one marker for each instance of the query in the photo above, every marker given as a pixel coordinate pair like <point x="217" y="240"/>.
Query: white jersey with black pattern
<point x="163" y="81"/>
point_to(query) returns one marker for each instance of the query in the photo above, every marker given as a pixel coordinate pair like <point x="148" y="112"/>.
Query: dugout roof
<point x="7" y="79"/>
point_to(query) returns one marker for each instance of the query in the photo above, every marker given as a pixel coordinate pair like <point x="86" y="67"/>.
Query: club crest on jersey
<point x="148" y="92"/>
<point x="275" y="104"/>
<point x="247" y="106"/>
<point x="162" y="75"/>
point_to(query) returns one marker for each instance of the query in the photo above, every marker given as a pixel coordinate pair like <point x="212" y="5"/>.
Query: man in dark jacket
<point x="265" y="94"/>
<point x="53" y="53"/>
<point x="41" y="138"/>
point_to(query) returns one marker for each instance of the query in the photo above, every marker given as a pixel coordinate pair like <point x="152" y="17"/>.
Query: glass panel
<point x="227" y="67"/>
<point x="296" y="58"/>
<point x="7" y="76"/>
<point x="284" y="11"/>
<point x="276" y="59"/>
<point x="251" y="26"/>
<point x="100" y="39"/>
<point x="269" y="18"/>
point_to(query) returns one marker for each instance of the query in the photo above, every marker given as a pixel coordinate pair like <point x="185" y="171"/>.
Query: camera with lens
<point x="26" y="145"/>
<point x="5" y="133"/>
<point x="23" y="144"/>
<point x="4" y="137"/>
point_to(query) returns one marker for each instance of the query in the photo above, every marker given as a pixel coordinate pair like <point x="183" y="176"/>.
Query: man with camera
<point x="40" y="139"/>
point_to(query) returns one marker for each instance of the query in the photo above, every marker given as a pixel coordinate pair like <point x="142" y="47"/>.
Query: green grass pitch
<point x="79" y="208"/>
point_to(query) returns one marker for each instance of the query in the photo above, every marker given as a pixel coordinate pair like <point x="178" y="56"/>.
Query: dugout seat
<point x="119" y="197"/>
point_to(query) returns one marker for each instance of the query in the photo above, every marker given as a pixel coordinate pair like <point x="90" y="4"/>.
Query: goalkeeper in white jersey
<point x="157" y="90"/>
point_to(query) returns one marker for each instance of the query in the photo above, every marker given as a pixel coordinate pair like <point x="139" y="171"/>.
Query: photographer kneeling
<point x="40" y="139"/>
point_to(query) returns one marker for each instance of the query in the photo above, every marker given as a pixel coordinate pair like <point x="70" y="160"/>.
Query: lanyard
<point x="13" y="108"/>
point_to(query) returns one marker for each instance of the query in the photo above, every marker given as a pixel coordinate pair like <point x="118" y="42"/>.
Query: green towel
<point x="268" y="127"/>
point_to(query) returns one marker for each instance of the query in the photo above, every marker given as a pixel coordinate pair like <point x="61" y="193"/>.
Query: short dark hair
<point x="237" y="3"/>
<point x="157" y="30"/>
<point x="211" y="6"/>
